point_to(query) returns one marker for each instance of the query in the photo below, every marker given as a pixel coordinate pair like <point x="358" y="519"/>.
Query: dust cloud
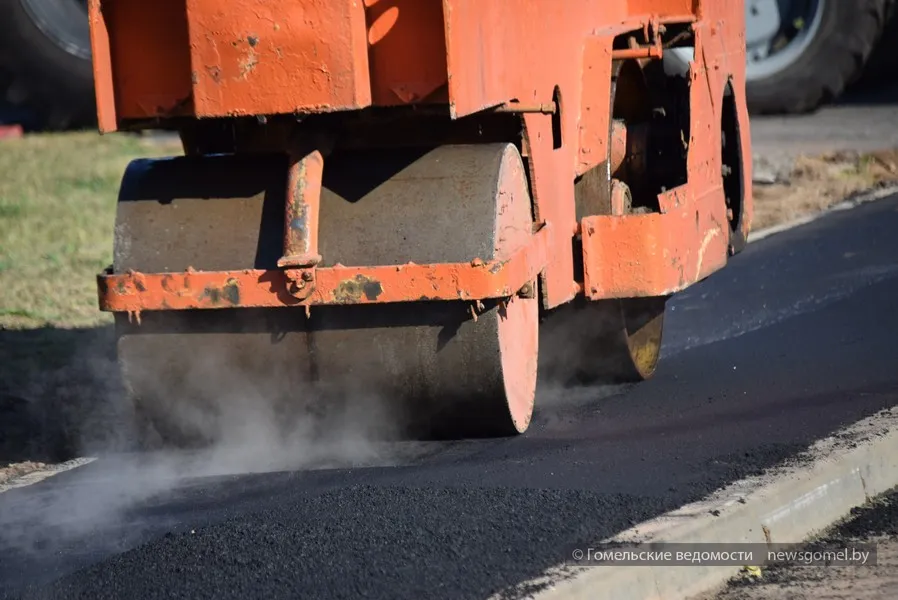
<point x="574" y="354"/>
<point x="256" y="428"/>
<point x="244" y="424"/>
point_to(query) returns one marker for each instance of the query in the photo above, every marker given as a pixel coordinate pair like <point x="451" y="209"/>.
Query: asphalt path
<point x="862" y="121"/>
<point x="794" y="340"/>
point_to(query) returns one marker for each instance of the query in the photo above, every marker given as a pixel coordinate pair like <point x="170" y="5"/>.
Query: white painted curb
<point x="784" y="506"/>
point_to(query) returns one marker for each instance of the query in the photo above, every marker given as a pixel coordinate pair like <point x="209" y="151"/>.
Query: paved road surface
<point x="735" y="394"/>
<point x="862" y="121"/>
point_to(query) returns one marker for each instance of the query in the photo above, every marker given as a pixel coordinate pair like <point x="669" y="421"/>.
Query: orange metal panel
<point x="655" y="254"/>
<point x="501" y="50"/>
<point x="141" y="62"/>
<point x="595" y="111"/>
<point x="720" y="40"/>
<point x="211" y="58"/>
<point x="553" y="194"/>
<point x="407" y="51"/>
<point x="667" y="7"/>
<point x="104" y="87"/>
<point x="269" y="56"/>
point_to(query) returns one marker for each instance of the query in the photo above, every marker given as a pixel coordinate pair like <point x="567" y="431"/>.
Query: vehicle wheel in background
<point x="882" y="67"/>
<point x="45" y="63"/>
<point x="802" y="53"/>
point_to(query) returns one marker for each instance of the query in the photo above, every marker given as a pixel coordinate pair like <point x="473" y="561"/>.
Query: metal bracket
<point x="476" y="280"/>
<point x="301" y="223"/>
<point x="652" y="31"/>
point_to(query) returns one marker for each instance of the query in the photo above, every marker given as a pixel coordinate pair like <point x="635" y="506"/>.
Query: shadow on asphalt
<point x="59" y="392"/>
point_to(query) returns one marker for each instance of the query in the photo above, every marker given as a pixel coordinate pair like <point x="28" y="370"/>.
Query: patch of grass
<point x="57" y="211"/>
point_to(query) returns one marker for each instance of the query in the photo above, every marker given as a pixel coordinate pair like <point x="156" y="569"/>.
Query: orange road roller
<point x="394" y="197"/>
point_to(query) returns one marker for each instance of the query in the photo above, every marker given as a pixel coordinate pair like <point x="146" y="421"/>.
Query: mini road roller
<point x="396" y="196"/>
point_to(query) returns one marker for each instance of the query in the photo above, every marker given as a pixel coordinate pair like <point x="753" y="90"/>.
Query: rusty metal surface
<point x="477" y="280"/>
<point x="654" y="254"/>
<point x="433" y="361"/>
<point x="302" y="207"/>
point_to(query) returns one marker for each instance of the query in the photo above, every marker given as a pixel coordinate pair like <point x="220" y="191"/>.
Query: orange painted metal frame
<point x="655" y="254"/>
<point x="135" y="292"/>
<point x="220" y="58"/>
<point x="660" y="254"/>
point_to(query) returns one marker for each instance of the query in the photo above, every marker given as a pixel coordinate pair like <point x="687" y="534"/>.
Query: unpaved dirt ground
<point x="816" y="183"/>
<point x="16" y="470"/>
<point x="876" y="523"/>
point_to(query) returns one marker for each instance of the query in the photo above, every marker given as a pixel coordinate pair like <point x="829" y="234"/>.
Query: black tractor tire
<point x="882" y="68"/>
<point x="835" y="58"/>
<point x="45" y="64"/>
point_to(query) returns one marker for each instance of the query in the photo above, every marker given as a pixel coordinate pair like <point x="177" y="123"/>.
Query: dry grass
<point x="817" y="183"/>
<point x="16" y="470"/>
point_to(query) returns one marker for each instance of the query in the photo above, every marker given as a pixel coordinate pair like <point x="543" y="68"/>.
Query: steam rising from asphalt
<point x="259" y="428"/>
<point x="568" y="344"/>
<point x="256" y="430"/>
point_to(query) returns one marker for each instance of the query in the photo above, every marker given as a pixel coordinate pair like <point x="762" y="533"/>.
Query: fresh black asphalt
<point x="794" y="340"/>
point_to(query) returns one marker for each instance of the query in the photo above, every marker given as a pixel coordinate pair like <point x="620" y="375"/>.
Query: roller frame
<point x="298" y="282"/>
<point x="135" y="292"/>
<point x="546" y="63"/>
